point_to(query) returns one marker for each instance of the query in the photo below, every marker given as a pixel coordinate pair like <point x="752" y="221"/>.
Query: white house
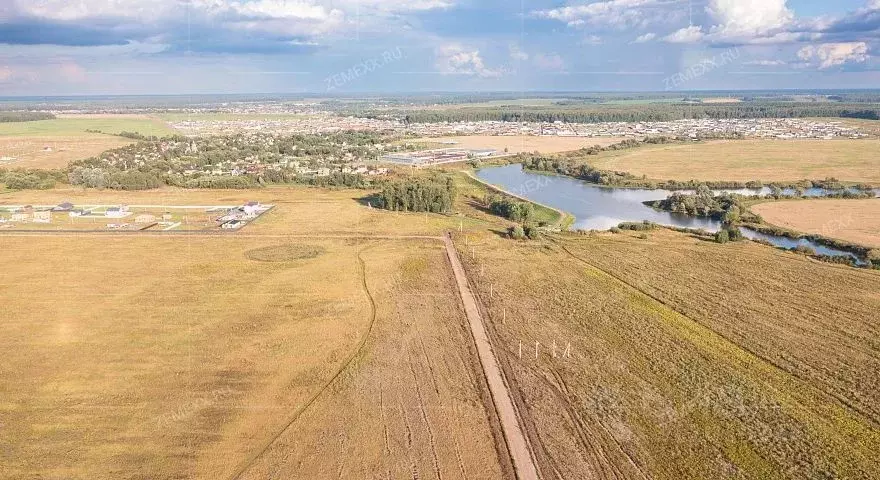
<point x="43" y="217"/>
<point x="252" y="208"/>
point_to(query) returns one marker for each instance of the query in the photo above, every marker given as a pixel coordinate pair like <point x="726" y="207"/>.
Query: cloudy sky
<point x="68" y="47"/>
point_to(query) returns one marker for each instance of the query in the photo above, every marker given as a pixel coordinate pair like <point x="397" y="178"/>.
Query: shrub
<point x="516" y="232"/>
<point x="615" y="230"/>
<point x="723" y="236"/>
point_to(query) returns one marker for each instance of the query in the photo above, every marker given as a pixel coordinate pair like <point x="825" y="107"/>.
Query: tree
<point x="722" y="236"/>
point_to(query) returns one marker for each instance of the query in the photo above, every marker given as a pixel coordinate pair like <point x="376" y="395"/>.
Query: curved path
<point x="517" y="445"/>
<point x="246" y="464"/>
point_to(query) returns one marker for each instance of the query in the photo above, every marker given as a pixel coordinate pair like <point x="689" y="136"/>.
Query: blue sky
<point x="67" y="47"/>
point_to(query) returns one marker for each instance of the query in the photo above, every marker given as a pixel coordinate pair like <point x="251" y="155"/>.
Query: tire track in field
<point x="249" y="461"/>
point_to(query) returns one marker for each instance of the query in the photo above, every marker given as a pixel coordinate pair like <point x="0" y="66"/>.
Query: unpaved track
<point x="517" y="445"/>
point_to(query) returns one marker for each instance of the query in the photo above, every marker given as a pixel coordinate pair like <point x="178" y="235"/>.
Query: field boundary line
<point x="518" y="446"/>
<point x="248" y="462"/>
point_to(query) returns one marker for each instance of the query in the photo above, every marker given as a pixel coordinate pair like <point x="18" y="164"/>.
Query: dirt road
<point x="517" y="445"/>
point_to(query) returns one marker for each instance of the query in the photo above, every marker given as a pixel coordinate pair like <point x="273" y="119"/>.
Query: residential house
<point x="63" y="207"/>
<point x="19" y="217"/>
<point x="43" y="217"/>
<point x="145" y="218"/>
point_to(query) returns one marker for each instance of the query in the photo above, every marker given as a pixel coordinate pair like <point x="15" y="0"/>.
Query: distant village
<point x="66" y="215"/>
<point x="786" y="128"/>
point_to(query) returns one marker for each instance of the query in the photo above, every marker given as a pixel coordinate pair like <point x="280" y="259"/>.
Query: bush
<point x="638" y="226"/>
<point x="510" y="209"/>
<point x="615" y="230"/>
<point x="220" y="182"/>
<point x="723" y="236"/>
<point x="516" y="233"/>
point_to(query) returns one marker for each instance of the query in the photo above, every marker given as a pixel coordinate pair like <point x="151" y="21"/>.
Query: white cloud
<point x="550" y="62"/>
<point x="608" y="13"/>
<point x="592" y="40"/>
<point x="833" y="54"/>
<point x="645" y="38"/>
<point x="765" y="63"/>
<point x="749" y="17"/>
<point x="691" y="34"/>
<point x="517" y="54"/>
<point x="285" y="17"/>
<point x="455" y="59"/>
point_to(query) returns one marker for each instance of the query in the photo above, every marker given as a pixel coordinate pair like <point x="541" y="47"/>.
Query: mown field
<point x="745" y="160"/>
<point x="856" y="221"/>
<point x="68" y="139"/>
<point x="675" y="358"/>
<point x="203" y="357"/>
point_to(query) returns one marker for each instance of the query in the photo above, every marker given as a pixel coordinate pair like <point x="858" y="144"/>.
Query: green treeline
<point x="661" y="112"/>
<point x="509" y="208"/>
<point x="726" y="207"/>
<point x="9" y="117"/>
<point x="30" y="179"/>
<point x="435" y="195"/>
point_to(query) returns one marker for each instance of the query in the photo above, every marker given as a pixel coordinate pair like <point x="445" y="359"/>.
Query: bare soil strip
<point x="517" y="445"/>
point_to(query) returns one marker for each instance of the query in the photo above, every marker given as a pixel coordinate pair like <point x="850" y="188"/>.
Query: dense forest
<point x="435" y="195"/>
<point x="9" y="117"/>
<point x="656" y="112"/>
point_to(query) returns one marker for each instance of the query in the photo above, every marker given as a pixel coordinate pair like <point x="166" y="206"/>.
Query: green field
<point x="67" y="127"/>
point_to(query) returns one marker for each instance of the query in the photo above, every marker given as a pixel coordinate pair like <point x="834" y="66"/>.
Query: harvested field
<point x="676" y="358"/>
<point x="67" y="138"/>
<point x="517" y="143"/>
<point x="30" y="151"/>
<point x="745" y="160"/>
<point x="856" y="221"/>
<point x="411" y="407"/>
<point x="180" y="357"/>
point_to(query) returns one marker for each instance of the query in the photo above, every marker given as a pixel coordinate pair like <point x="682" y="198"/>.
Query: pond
<point x="600" y="208"/>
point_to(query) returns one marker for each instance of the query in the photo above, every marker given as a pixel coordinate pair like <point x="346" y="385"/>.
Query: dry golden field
<point x="300" y="210"/>
<point x="517" y="143"/>
<point x="30" y="151"/>
<point x="745" y="160"/>
<point x="67" y="138"/>
<point x="856" y="221"/>
<point x="201" y="357"/>
<point x="677" y="358"/>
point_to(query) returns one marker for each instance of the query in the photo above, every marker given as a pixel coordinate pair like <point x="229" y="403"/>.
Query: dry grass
<point x="518" y="143"/>
<point x="299" y="210"/>
<point x="856" y="221"/>
<point x="412" y="408"/>
<point x="688" y="359"/>
<point x="156" y="358"/>
<point x="745" y="160"/>
<point x="28" y="151"/>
